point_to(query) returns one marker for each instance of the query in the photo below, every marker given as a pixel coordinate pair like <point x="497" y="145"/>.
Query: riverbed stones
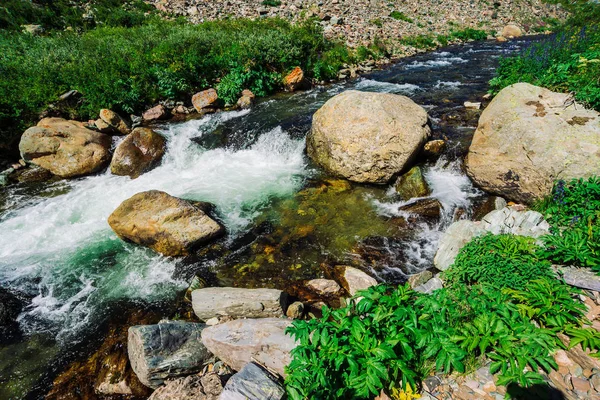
<point x="246" y="100"/>
<point x="166" y="224"/>
<point x="428" y="208"/>
<point x="115" y="121"/>
<point x="253" y="382"/>
<point x="434" y="148"/>
<point x="527" y="138"/>
<point x="137" y="153"/>
<point x="166" y="350"/>
<point x="367" y="137"/>
<point x="412" y="184"/>
<point x="504" y="221"/>
<point x="583" y="278"/>
<point x="241" y="341"/>
<point x="65" y="148"/>
<point x="238" y="303"/>
<point x="353" y="279"/>
<point x="205" y="100"/>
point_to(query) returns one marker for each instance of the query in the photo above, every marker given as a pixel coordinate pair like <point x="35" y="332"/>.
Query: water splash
<point x="62" y="252"/>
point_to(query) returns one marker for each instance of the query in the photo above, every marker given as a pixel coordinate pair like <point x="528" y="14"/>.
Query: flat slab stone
<point x="166" y="350"/>
<point x="583" y="278"/>
<point x="253" y="382"/>
<point x="238" y="303"/>
<point x="241" y="341"/>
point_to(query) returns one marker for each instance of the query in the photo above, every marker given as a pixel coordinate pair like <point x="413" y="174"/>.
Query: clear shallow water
<point x="57" y="249"/>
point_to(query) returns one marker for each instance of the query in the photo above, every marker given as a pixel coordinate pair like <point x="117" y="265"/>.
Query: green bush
<point x="503" y="261"/>
<point x="126" y="69"/>
<point x="271" y="3"/>
<point x="573" y="211"/>
<point x="567" y="62"/>
<point x="60" y="14"/>
<point x="469" y="34"/>
<point x="401" y="16"/>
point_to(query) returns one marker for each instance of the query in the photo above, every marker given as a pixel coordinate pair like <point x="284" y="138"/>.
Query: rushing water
<point x="284" y="217"/>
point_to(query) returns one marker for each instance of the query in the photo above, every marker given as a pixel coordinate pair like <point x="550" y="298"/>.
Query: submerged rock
<point x="238" y="303"/>
<point x="412" y="184"/>
<point x="166" y="350"/>
<point x="428" y="208"/>
<point x="166" y="224"/>
<point x="137" y="153"/>
<point x="367" y="137"/>
<point x="33" y="174"/>
<point x="527" y="138"/>
<point x="10" y="307"/>
<point x="434" y="148"/>
<point x="65" y="148"/>
<point x="353" y="279"/>
<point x="504" y="221"/>
<point x="115" y="121"/>
<point x="253" y="382"/>
<point x="239" y="342"/>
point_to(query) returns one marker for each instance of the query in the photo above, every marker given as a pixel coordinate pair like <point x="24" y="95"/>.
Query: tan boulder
<point x="246" y="100"/>
<point x="205" y="99"/>
<point x="353" y="279"/>
<point x="115" y="121"/>
<point x="512" y="31"/>
<point x="137" y="153"/>
<point x="155" y="113"/>
<point x="164" y="223"/>
<point x="367" y="137"/>
<point x="527" y="138"/>
<point x="294" y="80"/>
<point x="65" y="148"/>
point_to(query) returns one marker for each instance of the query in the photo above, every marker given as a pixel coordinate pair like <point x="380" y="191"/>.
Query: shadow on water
<point x="534" y="392"/>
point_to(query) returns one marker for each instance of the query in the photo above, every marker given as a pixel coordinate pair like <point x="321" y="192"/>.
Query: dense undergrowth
<point x="129" y="68"/>
<point x="501" y="302"/>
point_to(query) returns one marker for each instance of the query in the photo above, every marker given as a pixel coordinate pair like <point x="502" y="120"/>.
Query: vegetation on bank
<point x="433" y="41"/>
<point x="129" y="68"/>
<point x="501" y="302"/>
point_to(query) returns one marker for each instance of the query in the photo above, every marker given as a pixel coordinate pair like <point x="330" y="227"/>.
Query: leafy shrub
<point x="126" y="69"/>
<point x="567" y="62"/>
<point x="469" y="34"/>
<point x="573" y="211"/>
<point x="420" y="41"/>
<point x="399" y="15"/>
<point x="271" y="3"/>
<point x="377" y="22"/>
<point x="503" y="261"/>
<point x="395" y="337"/>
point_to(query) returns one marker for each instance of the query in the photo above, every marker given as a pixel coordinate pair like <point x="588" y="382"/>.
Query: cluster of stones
<point x="360" y="22"/>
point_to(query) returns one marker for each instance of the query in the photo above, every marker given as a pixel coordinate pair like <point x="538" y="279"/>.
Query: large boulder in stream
<point x="528" y="137"/>
<point x="238" y="302"/>
<point x="367" y="137"/>
<point x="137" y="153"/>
<point x="65" y="148"/>
<point x="241" y="341"/>
<point x="167" y="350"/>
<point x="166" y="224"/>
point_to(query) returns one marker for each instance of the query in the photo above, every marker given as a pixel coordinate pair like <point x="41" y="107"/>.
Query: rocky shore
<point x="361" y="22"/>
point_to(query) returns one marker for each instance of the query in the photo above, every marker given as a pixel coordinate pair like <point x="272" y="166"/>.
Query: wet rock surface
<point x="167" y="350"/>
<point x="137" y="153"/>
<point x="192" y="387"/>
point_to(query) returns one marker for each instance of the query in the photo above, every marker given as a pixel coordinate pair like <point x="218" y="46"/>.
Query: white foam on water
<point x="386" y="87"/>
<point x="450" y="84"/>
<point x="453" y="189"/>
<point x="62" y="250"/>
